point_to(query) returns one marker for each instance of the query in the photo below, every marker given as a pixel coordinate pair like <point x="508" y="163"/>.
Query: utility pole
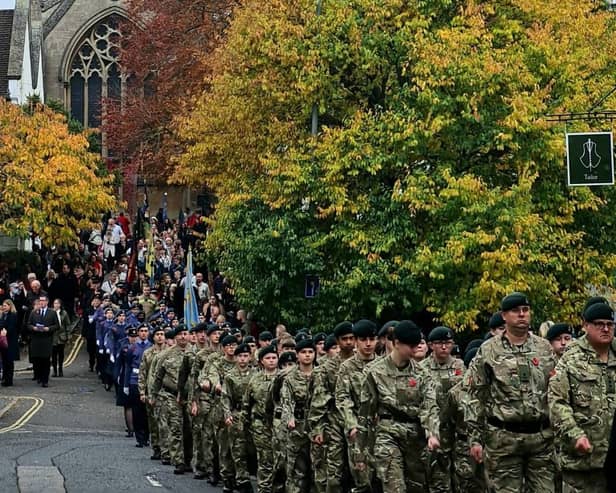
<point x="315" y="106"/>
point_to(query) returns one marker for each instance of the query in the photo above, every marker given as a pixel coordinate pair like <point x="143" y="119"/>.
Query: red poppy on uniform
<point x="535" y="361"/>
<point x="412" y="382"/>
<point x="458" y="372"/>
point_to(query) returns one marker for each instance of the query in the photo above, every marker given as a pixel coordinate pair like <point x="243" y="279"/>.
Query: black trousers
<point x="8" y="367"/>
<point x="41" y="369"/>
<point x="140" y="415"/>
<point x="57" y="357"/>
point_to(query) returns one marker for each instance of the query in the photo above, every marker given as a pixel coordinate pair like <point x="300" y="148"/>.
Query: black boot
<point x="214" y="479"/>
<point x="55" y="372"/>
<point x="60" y="372"/>
<point x="179" y="469"/>
<point x="245" y="487"/>
<point x="155" y="455"/>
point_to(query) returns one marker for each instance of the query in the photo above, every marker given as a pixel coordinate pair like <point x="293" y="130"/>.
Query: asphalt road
<point x="69" y="437"/>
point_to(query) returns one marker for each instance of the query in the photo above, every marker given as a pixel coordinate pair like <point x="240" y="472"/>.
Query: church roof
<point x="6" y="26"/>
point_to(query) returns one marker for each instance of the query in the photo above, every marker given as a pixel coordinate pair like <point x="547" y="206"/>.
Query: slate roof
<point x="6" y="27"/>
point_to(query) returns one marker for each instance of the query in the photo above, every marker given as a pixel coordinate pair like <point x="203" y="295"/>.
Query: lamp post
<point x="315" y="107"/>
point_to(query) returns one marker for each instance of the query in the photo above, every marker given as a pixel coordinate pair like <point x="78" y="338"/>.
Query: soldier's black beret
<point x="384" y="332"/>
<point x="287" y="357"/>
<point x="132" y="332"/>
<point x="513" y="300"/>
<point x="496" y="320"/>
<point x="301" y="336"/>
<point x="320" y="337"/>
<point x="201" y="327"/>
<point x="266" y="335"/>
<point x="264" y="351"/>
<point x="407" y="332"/>
<point x="474" y="343"/>
<point x="180" y="328"/>
<point x="228" y="339"/>
<point x="242" y="348"/>
<point x="364" y="328"/>
<point x="330" y="342"/>
<point x="469" y="355"/>
<point x="249" y="340"/>
<point x="440" y="334"/>
<point x="157" y="329"/>
<point x="557" y="330"/>
<point x="598" y="311"/>
<point x="304" y="344"/>
<point x="343" y="328"/>
<point x="169" y="334"/>
<point x="594" y="300"/>
<point x="212" y="328"/>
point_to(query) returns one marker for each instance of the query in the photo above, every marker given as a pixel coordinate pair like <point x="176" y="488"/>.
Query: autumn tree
<point x="164" y="55"/>
<point x="51" y="186"/>
<point x="436" y="183"/>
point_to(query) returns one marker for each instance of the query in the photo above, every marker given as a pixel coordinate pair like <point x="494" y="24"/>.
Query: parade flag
<point x="191" y="312"/>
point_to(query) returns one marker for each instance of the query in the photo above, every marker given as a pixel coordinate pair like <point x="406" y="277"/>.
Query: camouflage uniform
<point x="469" y="477"/>
<point x="217" y="370"/>
<point x="508" y="384"/>
<point x="582" y="401"/>
<point x="145" y="379"/>
<point x="402" y="401"/>
<point x="233" y="389"/>
<point x="446" y="375"/>
<point x="295" y="397"/>
<point x="157" y="407"/>
<point x="348" y="393"/>
<point x="259" y="421"/>
<point x="165" y="388"/>
<point x="203" y="455"/>
<point x="325" y="419"/>
<point x="280" y="432"/>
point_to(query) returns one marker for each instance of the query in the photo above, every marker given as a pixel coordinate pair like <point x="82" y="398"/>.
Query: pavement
<point x="70" y="437"/>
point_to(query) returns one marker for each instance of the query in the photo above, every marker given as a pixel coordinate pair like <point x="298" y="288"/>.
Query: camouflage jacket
<point x="446" y="376"/>
<point x="508" y="383"/>
<point x="254" y="404"/>
<point x="233" y="389"/>
<point x="348" y="390"/>
<point x="168" y="370"/>
<point x="145" y="369"/>
<point x="323" y="410"/>
<point x="295" y="396"/>
<point x="400" y="396"/>
<point x="216" y="370"/>
<point x="582" y="401"/>
<point x="194" y="390"/>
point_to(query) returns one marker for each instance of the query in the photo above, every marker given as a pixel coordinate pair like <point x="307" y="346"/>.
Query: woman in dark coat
<point x="8" y="321"/>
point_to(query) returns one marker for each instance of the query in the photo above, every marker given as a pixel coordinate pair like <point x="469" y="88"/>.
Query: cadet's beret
<point x="227" y="340"/>
<point x="304" y="344"/>
<point x="132" y="332"/>
<point x="242" y="348"/>
<point x="513" y="300"/>
<point x="330" y="342"/>
<point x="496" y="320"/>
<point x="474" y="343"/>
<point x="157" y="329"/>
<point x="384" y="332"/>
<point x="171" y="310"/>
<point x="598" y="311"/>
<point x="266" y="335"/>
<point x="557" y="330"/>
<point x="181" y="328"/>
<point x="594" y="300"/>
<point x="235" y="331"/>
<point x="264" y="351"/>
<point x="364" y="328"/>
<point x="301" y="336"/>
<point x="138" y="306"/>
<point x="407" y="332"/>
<point x="287" y="357"/>
<point x="169" y="334"/>
<point x="320" y="337"/>
<point x="249" y="340"/>
<point x="212" y="328"/>
<point x="121" y="285"/>
<point x="162" y="303"/>
<point x="469" y="355"/>
<point x="226" y="325"/>
<point x="343" y="328"/>
<point x="440" y="334"/>
<point x="200" y="327"/>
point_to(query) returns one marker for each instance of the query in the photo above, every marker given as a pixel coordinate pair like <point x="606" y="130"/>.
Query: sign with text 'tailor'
<point x="590" y="159"/>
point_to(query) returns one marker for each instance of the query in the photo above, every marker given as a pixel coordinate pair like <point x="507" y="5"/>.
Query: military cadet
<point x="233" y="390"/>
<point x="348" y="393"/>
<point x="145" y="374"/>
<point x="582" y="401"/>
<point x="252" y="344"/>
<point x="508" y="383"/>
<point x="446" y="372"/>
<point x="560" y="336"/>
<point x="326" y="422"/>
<point x="134" y="355"/>
<point x="420" y="352"/>
<point x="212" y="378"/>
<point x="165" y="388"/>
<point x="265" y="338"/>
<point x="469" y="476"/>
<point x="258" y="420"/>
<point x="286" y="362"/>
<point x="295" y="399"/>
<point x="319" y="342"/>
<point x="331" y="347"/>
<point x="400" y="397"/>
<point x="385" y="335"/>
<point x="199" y="331"/>
<point x="496" y="324"/>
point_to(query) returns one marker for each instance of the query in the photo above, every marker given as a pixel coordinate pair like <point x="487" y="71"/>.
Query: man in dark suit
<point x="42" y="323"/>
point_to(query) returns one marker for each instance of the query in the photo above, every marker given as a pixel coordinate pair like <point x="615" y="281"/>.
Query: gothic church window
<point x="95" y="71"/>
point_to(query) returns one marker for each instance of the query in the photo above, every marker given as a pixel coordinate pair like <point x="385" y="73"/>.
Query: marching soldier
<point x="560" y="337"/>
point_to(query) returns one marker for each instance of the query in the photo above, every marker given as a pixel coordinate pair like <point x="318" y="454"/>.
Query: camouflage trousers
<point x="163" y="428"/>
<point x="202" y="450"/>
<point x="172" y="416"/>
<point x="592" y="481"/>
<point x="279" y="446"/>
<point x="519" y="461"/>
<point x="262" y="438"/>
<point x="337" y="457"/>
<point x="239" y="451"/>
<point x="210" y="436"/>
<point x="440" y="464"/>
<point x="362" y="480"/>
<point x="469" y="477"/>
<point x="299" y="476"/>
<point x="398" y="457"/>
<point x="153" y="427"/>
<point x="318" y="458"/>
